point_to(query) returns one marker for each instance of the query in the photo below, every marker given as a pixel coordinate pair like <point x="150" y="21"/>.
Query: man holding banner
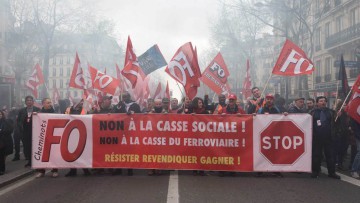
<point x="323" y="135"/>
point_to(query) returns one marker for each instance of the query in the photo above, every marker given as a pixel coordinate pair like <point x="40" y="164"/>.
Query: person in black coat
<point x="24" y="124"/>
<point x="6" y="142"/>
<point x="125" y="105"/>
<point x="298" y="106"/>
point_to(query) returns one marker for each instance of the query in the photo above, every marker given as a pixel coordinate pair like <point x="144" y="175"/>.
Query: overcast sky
<point x="166" y="23"/>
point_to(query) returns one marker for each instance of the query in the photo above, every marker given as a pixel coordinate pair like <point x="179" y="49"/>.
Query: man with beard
<point x="310" y="104"/>
<point x="126" y="105"/>
<point x="221" y="104"/>
<point x="24" y="123"/>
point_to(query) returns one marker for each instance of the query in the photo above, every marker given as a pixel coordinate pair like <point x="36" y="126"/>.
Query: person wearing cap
<point x="76" y="110"/>
<point x="231" y="107"/>
<point x="269" y="108"/>
<point x="255" y="102"/>
<point x="298" y="106"/>
<point x="125" y="105"/>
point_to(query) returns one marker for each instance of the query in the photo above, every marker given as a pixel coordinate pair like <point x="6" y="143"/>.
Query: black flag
<point x="343" y="80"/>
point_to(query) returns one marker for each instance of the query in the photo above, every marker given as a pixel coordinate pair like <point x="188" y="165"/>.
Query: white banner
<point x="57" y="139"/>
<point x="289" y="136"/>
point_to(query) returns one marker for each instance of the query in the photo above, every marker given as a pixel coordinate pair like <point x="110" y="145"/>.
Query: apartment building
<point x="337" y="32"/>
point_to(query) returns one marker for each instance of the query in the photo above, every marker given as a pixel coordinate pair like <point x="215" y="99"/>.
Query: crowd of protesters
<point x="333" y="130"/>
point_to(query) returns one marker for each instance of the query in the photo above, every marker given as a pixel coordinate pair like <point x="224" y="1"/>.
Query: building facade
<point x="337" y="33"/>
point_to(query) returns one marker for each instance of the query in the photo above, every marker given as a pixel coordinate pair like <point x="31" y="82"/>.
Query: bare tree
<point x="235" y="33"/>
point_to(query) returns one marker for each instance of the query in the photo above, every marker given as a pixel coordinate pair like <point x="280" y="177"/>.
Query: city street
<point x="142" y="188"/>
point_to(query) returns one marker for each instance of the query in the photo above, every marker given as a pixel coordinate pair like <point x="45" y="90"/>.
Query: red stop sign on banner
<point x="282" y="142"/>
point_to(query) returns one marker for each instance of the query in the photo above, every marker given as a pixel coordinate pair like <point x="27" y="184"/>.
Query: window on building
<point x="338" y="22"/>
<point x="328" y="69"/>
<point x="68" y="71"/>
<point x="318" y="71"/>
<point x="54" y="83"/>
<point x="327" y="30"/>
<point x="352" y="17"/>
<point x="61" y="60"/>
<point x="68" y="60"/>
<point x="61" y="71"/>
<point x="54" y="61"/>
<point x="54" y="72"/>
<point x="61" y="84"/>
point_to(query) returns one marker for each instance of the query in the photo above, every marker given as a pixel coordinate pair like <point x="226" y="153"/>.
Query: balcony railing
<point x="343" y="36"/>
<point x="318" y="79"/>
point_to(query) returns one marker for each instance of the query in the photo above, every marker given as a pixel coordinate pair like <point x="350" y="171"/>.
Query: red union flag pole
<point x="292" y="61"/>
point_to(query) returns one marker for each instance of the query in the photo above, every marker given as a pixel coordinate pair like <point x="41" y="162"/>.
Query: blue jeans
<point x="356" y="164"/>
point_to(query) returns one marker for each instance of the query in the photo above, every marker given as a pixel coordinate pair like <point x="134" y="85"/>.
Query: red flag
<point x="56" y="96"/>
<point x="353" y="108"/>
<point x="246" y="91"/>
<point x="132" y="70"/>
<point x="103" y="82"/>
<point x="78" y="77"/>
<point x="35" y="80"/>
<point x="292" y="61"/>
<point x="216" y="74"/>
<point x="184" y="68"/>
<point x="157" y="94"/>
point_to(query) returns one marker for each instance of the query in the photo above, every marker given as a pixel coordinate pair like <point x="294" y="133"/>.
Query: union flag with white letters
<point x="103" y="82"/>
<point x="35" y="80"/>
<point x="292" y="61"/>
<point x="185" y="69"/>
<point x="216" y="74"/>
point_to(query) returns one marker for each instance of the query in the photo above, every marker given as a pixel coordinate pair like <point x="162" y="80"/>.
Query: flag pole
<point x="343" y="104"/>
<point x="337" y="91"/>
<point x="267" y="82"/>
<point x="180" y="89"/>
